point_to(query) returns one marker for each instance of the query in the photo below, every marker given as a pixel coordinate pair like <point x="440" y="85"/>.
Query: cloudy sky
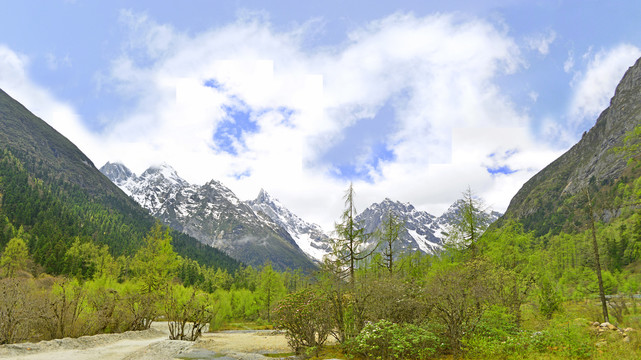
<point x="410" y="100"/>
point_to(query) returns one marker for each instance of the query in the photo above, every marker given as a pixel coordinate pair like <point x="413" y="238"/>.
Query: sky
<point x="409" y="100"/>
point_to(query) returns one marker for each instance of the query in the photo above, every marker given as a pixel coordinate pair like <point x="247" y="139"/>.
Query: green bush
<point x="305" y="318"/>
<point x="386" y="340"/>
<point x="495" y="333"/>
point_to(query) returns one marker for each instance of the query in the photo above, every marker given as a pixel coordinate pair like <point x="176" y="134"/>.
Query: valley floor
<point x="153" y="344"/>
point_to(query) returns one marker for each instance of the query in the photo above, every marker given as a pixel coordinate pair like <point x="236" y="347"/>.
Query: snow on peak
<point x="309" y="237"/>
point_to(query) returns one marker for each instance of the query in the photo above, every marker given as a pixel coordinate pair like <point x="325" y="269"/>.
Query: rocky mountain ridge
<point x="212" y="214"/>
<point x="423" y="231"/>
<point x="202" y="211"/>
<point x="548" y="201"/>
<point x="309" y="237"/>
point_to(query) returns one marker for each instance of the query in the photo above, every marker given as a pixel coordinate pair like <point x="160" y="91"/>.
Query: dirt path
<point x="153" y="344"/>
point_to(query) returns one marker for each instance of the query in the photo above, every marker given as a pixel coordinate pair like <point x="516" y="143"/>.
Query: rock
<point x="627" y="330"/>
<point x="596" y="324"/>
<point x="626" y="339"/>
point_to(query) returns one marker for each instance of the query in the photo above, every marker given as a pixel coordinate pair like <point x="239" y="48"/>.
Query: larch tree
<point x="15" y="257"/>
<point x="270" y="288"/>
<point x="469" y="224"/>
<point x="156" y="261"/>
<point x="347" y="247"/>
<point x="388" y="234"/>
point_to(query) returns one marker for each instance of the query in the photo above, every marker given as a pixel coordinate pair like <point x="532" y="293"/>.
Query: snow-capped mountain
<point x="453" y="212"/>
<point x="423" y="231"/>
<point x="309" y="237"/>
<point x="264" y="229"/>
<point x="212" y="214"/>
<point x="420" y="226"/>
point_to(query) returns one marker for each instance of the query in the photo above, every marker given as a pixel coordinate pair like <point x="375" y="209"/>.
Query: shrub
<point x="15" y="310"/>
<point x="387" y="340"/>
<point x="305" y="318"/>
<point x="188" y="311"/>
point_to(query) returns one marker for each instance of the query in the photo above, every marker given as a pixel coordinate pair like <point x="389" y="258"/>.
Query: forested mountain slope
<point x="553" y="200"/>
<point x="52" y="190"/>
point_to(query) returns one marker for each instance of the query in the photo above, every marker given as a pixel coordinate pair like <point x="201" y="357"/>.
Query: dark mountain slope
<point x="553" y="199"/>
<point x="48" y="186"/>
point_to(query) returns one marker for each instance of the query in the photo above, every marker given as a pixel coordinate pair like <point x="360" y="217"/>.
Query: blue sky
<point x="411" y="100"/>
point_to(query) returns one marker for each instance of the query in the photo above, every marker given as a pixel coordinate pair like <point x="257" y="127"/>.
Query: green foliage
<point x="14" y="258"/>
<point x="156" y="261"/>
<point x="458" y="296"/>
<point x="548" y="297"/>
<point x="347" y="247"/>
<point x="469" y="225"/>
<point x="245" y="304"/>
<point x="187" y="312"/>
<point x="87" y="260"/>
<point x="388" y="234"/>
<point x="304" y="317"/>
<point x="222" y="308"/>
<point x="55" y="211"/>
<point x="270" y="288"/>
<point x="386" y="340"/>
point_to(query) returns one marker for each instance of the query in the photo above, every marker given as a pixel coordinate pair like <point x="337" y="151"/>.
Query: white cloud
<point x="569" y="62"/>
<point x="15" y="81"/>
<point x="436" y="71"/>
<point x="594" y="88"/>
<point x="437" y="74"/>
<point x="541" y="42"/>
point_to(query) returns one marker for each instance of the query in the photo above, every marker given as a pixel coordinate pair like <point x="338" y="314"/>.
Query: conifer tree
<point x="388" y="234"/>
<point x="156" y="261"/>
<point x="270" y="288"/>
<point x="15" y="257"/>
<point x="347" y="248"/>
<point x="469" y="225"/>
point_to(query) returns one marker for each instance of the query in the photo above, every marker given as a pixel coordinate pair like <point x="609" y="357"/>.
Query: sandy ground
<point x="153" y="344"/>
<point x="252" y="341"/>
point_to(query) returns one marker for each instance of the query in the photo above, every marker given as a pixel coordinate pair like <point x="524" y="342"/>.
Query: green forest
<point x="71" y="267"/>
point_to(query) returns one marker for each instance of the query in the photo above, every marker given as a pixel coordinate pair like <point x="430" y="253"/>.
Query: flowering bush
<point x="305" y="318"/>
<point x="387" y="340"/>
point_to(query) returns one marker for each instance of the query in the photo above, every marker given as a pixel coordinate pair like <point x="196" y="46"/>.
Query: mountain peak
<point x="117" y="172"/>
<point x="264" y="197"/>
<point x="165" y="171"/>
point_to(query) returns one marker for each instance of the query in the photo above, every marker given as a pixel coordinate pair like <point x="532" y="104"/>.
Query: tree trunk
<point x="595" y="246"/>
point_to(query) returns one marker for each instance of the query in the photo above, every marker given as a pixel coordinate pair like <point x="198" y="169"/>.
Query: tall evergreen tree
<point x="15" y="256"/>
<point x="347" y="247"/>
<point x="469" y="225"/>
<point x="388" y="234"/>
<point x="156" y="261"/>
